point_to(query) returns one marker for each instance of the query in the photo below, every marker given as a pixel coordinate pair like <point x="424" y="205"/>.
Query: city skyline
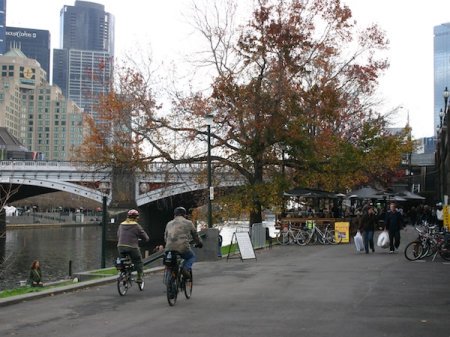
<point x="162" y="30"/>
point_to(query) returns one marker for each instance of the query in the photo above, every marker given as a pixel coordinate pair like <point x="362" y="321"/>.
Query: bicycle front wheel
<point x="444" y="251"/>
<point x="414" y="251"/>
<point x="302" y="237"/>
<point x="330" y="237"/>
<point x="187" y="285"/>
<point x="172" y="289"/>
<point x="122" y="284"/>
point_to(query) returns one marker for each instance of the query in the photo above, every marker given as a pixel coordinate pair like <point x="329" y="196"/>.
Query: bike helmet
<point x="179" y="211"/>
<point x="132" y="213"/>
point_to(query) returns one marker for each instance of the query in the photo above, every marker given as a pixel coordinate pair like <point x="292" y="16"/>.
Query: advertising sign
<point x="342" y="229"/>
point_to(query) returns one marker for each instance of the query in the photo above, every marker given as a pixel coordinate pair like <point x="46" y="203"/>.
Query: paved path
<point x="289" y="291"/>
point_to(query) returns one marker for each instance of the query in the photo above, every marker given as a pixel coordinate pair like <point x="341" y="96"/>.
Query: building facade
<point x="83" y="75"/>
<point x="2" y="26"/>
<point x="82" y="68"/>
<point x="35" y="112"/>
<point x="441" y="68"/>
<point x="34" y="43"/>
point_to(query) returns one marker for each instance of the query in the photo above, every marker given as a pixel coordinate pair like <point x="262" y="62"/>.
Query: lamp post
<point x="209" y="121"/>
<point x="445" y="144"/>
<point x="104" y="188"/>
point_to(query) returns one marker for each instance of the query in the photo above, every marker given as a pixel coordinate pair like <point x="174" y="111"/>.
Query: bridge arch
<point x="58" y="186"/>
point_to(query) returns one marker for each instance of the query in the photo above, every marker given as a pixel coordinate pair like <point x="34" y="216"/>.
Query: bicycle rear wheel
<point x="414" y="250"/>
<point x="171" y="288"/>
<point x="122" y="283"/>
<point x="283" y="237"/>
<point x="187" y="285"/>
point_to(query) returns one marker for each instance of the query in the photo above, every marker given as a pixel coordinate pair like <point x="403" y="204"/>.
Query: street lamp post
<point x="445" y="144"/>
<point x="209" y="121"/>
<point x="104" y="188"/>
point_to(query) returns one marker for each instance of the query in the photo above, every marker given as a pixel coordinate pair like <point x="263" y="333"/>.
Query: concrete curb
<point x="68" y="288"/>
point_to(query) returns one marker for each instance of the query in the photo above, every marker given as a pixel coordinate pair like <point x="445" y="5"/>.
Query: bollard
<point x="70" y="268"/>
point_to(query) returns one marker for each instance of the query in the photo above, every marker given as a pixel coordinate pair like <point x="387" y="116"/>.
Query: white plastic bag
<point x="359" y="242"/>
<point x="383" y="240"/>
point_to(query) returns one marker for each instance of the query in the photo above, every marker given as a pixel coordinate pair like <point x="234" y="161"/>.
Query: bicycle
<point x="429" y="243"/>
<point x="327" y="236"/>
<point x="174" y="278"/>
<point x="125" y="279"/>
<point x="288" y="235"/>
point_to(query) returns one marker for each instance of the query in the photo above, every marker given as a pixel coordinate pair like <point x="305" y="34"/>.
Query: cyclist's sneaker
<point x="186" y="273"/>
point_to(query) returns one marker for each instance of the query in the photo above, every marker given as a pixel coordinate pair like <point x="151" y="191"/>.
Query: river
<point x="56" y="248"/>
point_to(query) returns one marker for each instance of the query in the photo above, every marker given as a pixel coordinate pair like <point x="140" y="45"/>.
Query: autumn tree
<point x="293" y="99"/>
<point x="300" y="81"/>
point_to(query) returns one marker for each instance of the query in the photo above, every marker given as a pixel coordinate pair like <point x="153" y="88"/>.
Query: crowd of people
<point x="368" y="218"/>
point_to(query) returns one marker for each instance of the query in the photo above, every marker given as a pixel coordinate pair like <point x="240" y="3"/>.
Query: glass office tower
<point x="82" y="67"/>
<point x="34" y="43"/>
<point x="2" y="26"/>
<point x="441" y="67"/>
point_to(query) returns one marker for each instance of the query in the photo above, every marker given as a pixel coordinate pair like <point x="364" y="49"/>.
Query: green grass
<point x="29" y="289"/>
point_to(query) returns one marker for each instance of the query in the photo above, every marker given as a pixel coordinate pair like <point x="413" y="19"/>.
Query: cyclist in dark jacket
<point x="393" y="223"/>
<point x="128" y="235"/>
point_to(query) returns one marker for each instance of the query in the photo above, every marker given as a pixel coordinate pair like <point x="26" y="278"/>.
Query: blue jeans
<point x="368" y="240"/>
<point x="189" y="259"/>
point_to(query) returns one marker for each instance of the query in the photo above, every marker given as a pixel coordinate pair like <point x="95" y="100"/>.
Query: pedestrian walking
<point x="394" y="224"/>
<point x="367" y="227"/>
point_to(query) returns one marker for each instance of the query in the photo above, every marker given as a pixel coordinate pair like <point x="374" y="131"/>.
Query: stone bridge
<point x="160" y="180"/>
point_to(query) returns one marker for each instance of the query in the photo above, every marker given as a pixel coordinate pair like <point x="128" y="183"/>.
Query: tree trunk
<point x="256" y="212"/>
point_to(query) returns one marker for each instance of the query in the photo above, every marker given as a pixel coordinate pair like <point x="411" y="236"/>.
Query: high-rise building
<point x="88" y="75"/>
<point x="82" y="67"/>
<point x="34" y="43"/>
<point x="35" y="112"/>
<point x="2" y="26"/>
<point x="441" y="68"/>
<point x="86" y="26"/>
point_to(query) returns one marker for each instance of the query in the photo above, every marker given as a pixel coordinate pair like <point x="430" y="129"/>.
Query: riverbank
<point x="50" y="225"/>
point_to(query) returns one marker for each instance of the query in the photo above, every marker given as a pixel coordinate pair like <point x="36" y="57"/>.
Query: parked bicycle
<point x="288" y="235"/>
<point x="430" y="242"/>
<point x="325" y="236"/>
<point x="125" y="279"/>
<point x="174" y="278"/>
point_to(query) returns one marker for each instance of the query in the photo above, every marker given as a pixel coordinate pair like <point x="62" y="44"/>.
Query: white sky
<point x="162" y="26"/>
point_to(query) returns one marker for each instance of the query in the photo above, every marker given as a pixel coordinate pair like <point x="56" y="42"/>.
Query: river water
<point x="56" y="248"/>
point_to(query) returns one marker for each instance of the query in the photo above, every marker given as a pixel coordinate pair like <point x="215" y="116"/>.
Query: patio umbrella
<point x="409" y="195"/>
<point x="308" y="193"/>
<point x="366" y="193"/>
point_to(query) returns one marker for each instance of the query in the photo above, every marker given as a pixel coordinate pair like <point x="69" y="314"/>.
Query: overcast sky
<point x="162" y="26"/>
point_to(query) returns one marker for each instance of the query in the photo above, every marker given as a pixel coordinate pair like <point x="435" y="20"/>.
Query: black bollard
<point x="70" y="268"/>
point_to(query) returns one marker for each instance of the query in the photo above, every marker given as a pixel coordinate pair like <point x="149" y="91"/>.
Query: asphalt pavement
<point x="287" y="291"/>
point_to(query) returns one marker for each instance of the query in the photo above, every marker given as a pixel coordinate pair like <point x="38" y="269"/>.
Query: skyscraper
<point x="82" y="67"/>
<point x="86" y="26"/>
<point x="2" y="26"/>
<point x="441" y="67"/>
<point x="34" y="43"/>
